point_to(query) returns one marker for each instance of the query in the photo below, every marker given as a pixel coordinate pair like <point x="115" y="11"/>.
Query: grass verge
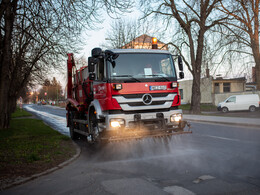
<point x="20" y="113"/>
<point x="203" y="107"/>
<point x="29" y="147"/>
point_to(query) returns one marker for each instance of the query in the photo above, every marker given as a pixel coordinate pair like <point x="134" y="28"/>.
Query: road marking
<point x="248" y="126"/>
<point x="223" y="138"/>
<point x="177" y="190"/>
<point x="230" y="139"/>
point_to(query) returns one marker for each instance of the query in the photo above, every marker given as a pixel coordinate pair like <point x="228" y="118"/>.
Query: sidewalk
<point x="224" y="120"/>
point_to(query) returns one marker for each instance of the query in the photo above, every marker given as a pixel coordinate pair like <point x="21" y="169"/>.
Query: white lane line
<point x="223" y="138"/>
<point x="230" y="139"/>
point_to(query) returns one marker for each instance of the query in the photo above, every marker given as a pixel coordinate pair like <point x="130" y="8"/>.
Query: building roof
<point x="145" y="39"/>
<point x="231" y="79"/>
<point x="140" y="51"/>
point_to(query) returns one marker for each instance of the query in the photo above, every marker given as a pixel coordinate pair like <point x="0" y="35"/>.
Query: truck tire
<point x="252" y="108"/>
<point x="224" y="109"/>
<point x="93" y="125"/>
<point x="73" y="134"/>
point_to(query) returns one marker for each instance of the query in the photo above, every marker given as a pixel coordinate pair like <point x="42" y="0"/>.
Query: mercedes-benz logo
<point x="147" y="99"/>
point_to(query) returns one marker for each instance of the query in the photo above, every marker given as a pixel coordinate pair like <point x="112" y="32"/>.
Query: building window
<point x="226" y="87"/>
<point x="216" y="87"/>
<point x="181" y="93"/>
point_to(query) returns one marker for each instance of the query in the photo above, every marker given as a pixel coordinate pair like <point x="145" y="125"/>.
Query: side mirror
<point x="91" y="64"/>
<point x="96" y="52"/>
<point x="181" y="75"/>
<point x="180" y="63"/>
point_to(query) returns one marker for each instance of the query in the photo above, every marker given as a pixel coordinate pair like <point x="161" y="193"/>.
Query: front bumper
<point x="155" y="120"/>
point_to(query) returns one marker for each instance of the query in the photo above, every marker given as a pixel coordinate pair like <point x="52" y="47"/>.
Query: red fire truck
<point x="124" y="94"/>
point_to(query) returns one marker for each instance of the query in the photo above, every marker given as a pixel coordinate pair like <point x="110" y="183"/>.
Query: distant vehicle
<point x="43" y="102"/>
<point x="240" y="102"/>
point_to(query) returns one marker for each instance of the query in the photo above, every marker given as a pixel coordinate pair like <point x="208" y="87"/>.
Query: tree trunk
<point x="4" y="101"/>
<point x="257" y="74"/>
<point x="6" y="64"/>
<point x="12" y="104"/>
<point x="196" y="72"/>
<point x="256" y="55"/>
<point x="4" y="112"/>
<point x="195" y="97"/>
<point x="254" y="38"/>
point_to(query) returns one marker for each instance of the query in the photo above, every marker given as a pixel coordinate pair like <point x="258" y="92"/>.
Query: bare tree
<point x="243" y="29"/>
<point x="123" y="32"/>
<point x="52" y="89"/>
<point x="194" y="20"/>
<point x="36" y="34"/>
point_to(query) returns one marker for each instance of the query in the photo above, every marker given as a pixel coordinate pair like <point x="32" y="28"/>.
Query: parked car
<point x="240" y="102"/>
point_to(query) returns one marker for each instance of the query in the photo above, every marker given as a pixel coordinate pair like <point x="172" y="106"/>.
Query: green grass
<point x="29" y="140"/>
<point x="185" y="106"/>
<point x="203" y="107"/>
<point x="30" y="146"/>
<point x="20" y="113"/>
<point x="208" y="107"/>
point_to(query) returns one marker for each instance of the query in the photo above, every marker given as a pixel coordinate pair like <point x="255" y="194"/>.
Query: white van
<point x="240" y="102"/>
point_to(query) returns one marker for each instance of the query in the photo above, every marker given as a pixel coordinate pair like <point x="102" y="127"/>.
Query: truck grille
<point x="129" y="96"/>
<point x="131" y="102"/>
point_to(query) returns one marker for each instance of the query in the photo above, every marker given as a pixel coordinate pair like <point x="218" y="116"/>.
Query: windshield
<point x="136" y="67"/>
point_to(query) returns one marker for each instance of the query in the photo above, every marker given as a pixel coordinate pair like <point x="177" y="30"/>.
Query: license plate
<point x="160" y="87"/>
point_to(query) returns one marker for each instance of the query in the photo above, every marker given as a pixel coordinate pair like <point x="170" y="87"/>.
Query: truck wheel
<point x="93" y="126"/>
<point x="224" y="109"/>
<point x="252" y="108"/>
<point x="73" y="134"/>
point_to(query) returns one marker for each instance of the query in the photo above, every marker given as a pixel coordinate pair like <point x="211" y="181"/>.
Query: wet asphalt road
<point x="215" y="159"/>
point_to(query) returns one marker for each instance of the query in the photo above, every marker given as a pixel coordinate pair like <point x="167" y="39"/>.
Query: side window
<point x="232" y="99"/>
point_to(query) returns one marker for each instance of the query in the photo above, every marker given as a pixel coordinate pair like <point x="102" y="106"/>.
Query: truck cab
<point x="135" y="86"/>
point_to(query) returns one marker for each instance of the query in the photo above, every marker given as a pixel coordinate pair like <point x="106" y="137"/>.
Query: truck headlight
<point x="176" y="117"/>
<point x="117" y="122"/>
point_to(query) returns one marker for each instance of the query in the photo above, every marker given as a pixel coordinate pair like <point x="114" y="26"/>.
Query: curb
<point x="48" y="171"/>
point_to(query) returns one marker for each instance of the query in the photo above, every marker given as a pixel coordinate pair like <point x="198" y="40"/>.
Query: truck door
<point x="99" y="85"/>
<point x="231" y="103"/>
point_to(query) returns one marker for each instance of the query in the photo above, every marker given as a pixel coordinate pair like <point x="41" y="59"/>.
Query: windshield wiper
<point x="157" y="75"/>
<point x="129" y="76"/>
